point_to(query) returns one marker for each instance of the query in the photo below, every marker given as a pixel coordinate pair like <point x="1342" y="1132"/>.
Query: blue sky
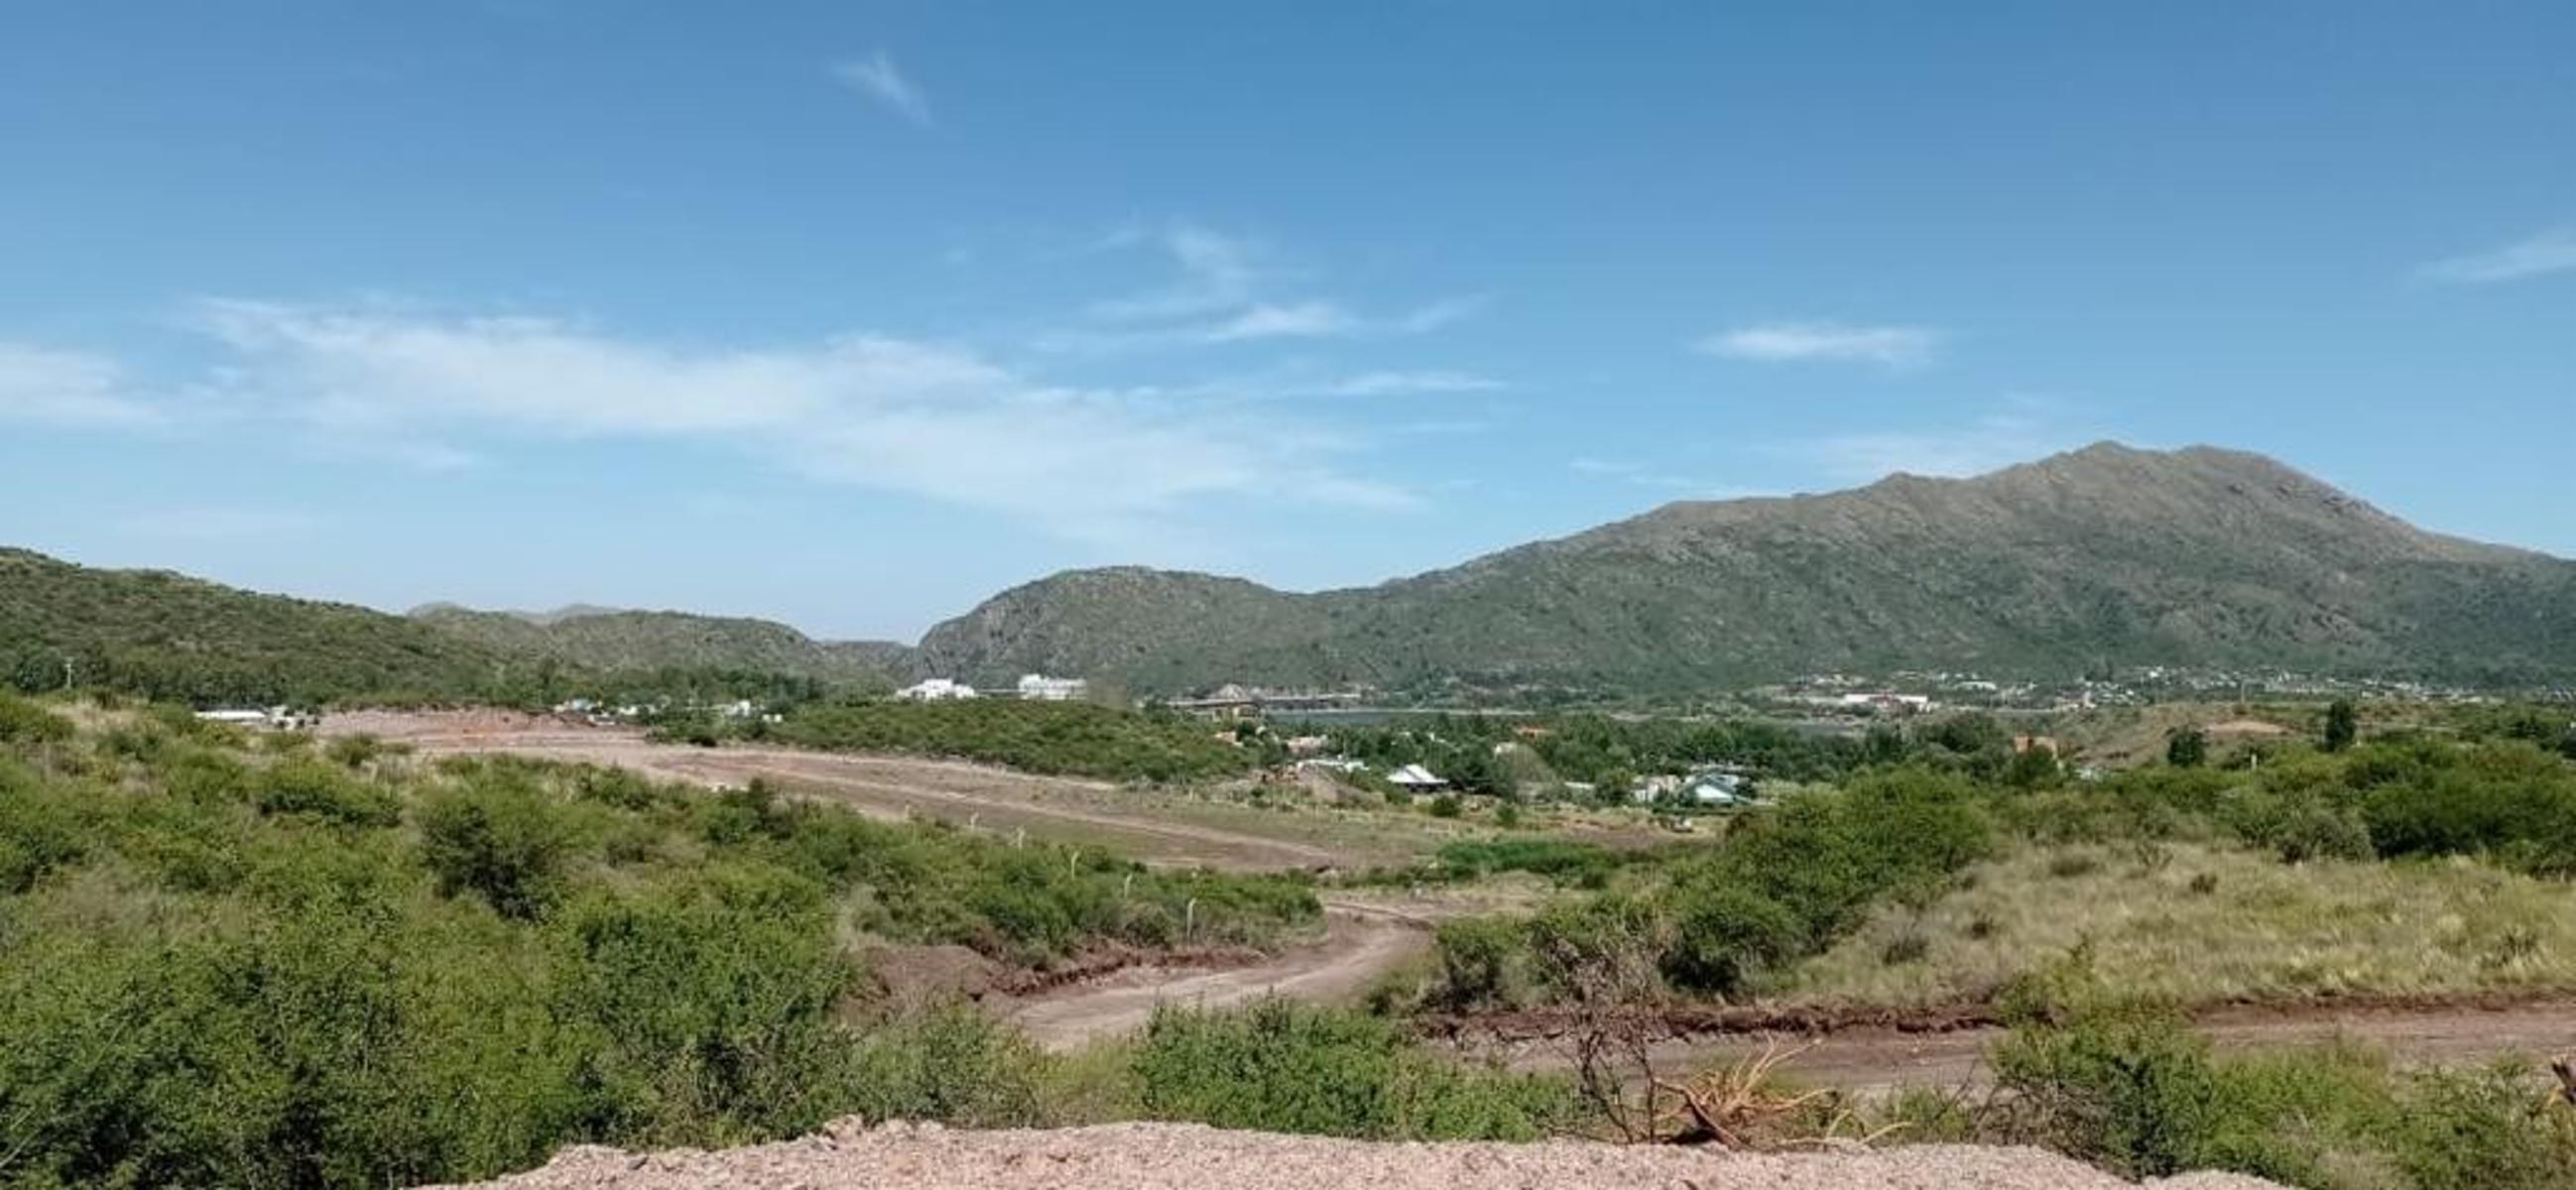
<point x="850" y="314"/>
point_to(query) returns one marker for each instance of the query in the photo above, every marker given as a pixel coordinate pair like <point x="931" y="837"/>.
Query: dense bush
<point x="2130" y="1087"/>
<point x="1565" y="861"/>
<point x="1784" y="885"/>
<point x="228" y="965"/>
<point x="2503" y="799"/>
<point x="1285" y="1067"/>
<point x="500" y="837"/>
<point x="23" y="722"/>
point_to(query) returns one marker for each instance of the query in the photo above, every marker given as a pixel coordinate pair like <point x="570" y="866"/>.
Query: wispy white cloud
<point x="899" y="415"/>
<point x="2551" y="251"/>
<point x="1432" y="317"/>
<point x="67" y="390"/>
<point x="1218" y="272"/>
<point x="2025" y="431"/>
<point x="1402" y="383"/>
<point x="1300" y="320"/>
<point x="1791" y="342"/>
<point x="876" y="77"/>
<point x="1226" y="292"/>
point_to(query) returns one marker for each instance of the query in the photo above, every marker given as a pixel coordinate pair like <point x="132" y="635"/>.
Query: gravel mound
<point x="848" y="1154"/>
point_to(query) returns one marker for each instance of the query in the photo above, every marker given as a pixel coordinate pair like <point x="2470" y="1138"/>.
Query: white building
<point x="1045" y="689"/>
<point x="236" y="718"/>
<point x="274" y="718"/>
<point x="936" y="690"/>
<point x="1414" y="778"/>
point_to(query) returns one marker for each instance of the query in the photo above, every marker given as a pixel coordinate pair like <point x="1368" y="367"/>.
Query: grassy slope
<point x="2264" y="930"/>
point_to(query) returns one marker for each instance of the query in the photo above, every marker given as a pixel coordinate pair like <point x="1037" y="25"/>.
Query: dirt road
<point x="1362" y="942"/>
<point x="991" y="799"/>
<point x="1877" y="1059"/>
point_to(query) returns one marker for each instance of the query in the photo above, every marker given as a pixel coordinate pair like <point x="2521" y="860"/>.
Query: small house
<point x="1414" y="778"/>
<point x="1041" y="688"/>
<point x="935" y="690"/>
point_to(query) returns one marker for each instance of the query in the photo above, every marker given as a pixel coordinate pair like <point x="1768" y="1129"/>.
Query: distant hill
<point x="181" y="638"/>
<point x="604" y="639"/>
<point x="2105" y="555"/>
<point x="2108" y="554"/>
<point x="170" y="636"/>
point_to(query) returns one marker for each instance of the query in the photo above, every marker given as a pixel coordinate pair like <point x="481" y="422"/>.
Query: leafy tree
<point x="2187" y="747"/>
<point x="2343" y="725"/>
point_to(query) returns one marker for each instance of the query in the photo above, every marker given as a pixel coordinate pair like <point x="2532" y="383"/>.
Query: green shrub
<point x="1479" y="961"/>
<point x="2478" y="1131"/>
<point x="1280" y="1066"/>
<point x="354" y="751"/>
<point x="1564" y="861"/>
<point x="24" y="723"/>
<point x="305" y="787"/>
<point x="500" y="839"/>
<point x="951" y="1063"/>
<point x="2128" y="1088"/>
<point x="1724" y="933"/>
<point x="712" y="1005"/>
<point x="40" y="831"/>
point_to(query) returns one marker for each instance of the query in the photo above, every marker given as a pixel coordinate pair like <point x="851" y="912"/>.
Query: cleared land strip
<point x="992" y="799"/>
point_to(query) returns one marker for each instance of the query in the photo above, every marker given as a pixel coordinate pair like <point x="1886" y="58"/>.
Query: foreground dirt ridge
<point x="847" y="1153"/>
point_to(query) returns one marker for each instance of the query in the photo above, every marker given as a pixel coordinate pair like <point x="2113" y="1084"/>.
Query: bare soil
<point x="1861" y="1050"/>
<point x="847" y="1154"/>
<point x="1362" y="941"/>
<point x="1881" y="1052"/>
<point x="982" y="797"/>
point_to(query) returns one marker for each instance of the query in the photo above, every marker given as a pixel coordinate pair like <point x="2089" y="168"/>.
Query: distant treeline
<point x="1068" y="738"/>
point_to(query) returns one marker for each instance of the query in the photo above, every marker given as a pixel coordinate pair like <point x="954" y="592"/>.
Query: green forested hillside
<point x="2193" y="557"/>
<point x="174" y="637"/>
<point x="610" y="641"/>
<point x="2108" y="555"/>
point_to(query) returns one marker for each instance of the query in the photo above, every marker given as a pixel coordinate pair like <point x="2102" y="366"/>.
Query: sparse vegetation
<point x="1710" y="921"/>
<point x="2119" y="1080"/>
<point x="2216" y="923"/>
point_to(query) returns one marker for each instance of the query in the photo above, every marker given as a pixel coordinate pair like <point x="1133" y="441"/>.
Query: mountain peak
<point x="2192" y="556"/>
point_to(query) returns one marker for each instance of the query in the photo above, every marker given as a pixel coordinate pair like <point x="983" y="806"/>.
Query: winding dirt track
<point x="1361" y="942"/>
<point x="1878" y="1059"/>
<point x="1364" y="940"/>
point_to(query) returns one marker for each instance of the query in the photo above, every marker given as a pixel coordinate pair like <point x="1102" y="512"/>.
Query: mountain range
<point x="2104" y="556"/>
<point x="2109" y="554"/>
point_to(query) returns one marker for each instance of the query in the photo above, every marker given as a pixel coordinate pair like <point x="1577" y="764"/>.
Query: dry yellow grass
<point x="2202" y="924"/>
